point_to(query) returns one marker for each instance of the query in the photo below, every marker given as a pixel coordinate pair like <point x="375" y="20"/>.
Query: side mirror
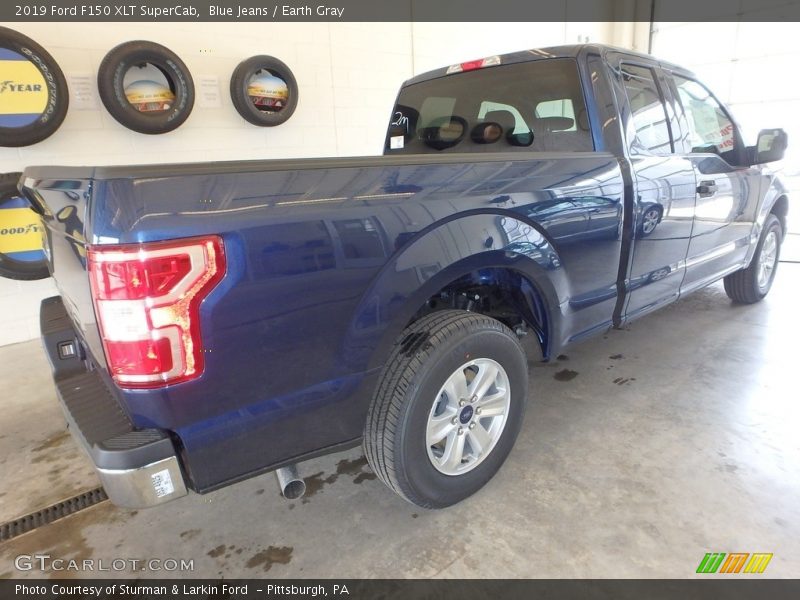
<point x="771" y="146"/>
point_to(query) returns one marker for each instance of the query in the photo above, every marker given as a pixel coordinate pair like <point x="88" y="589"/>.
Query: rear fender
<point x="440" y="255"/>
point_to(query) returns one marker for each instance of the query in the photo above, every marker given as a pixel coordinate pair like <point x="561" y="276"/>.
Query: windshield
<point x="531" y="106"/>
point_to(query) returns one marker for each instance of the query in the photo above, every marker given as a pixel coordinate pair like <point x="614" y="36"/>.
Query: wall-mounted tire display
<point x="33" y="92"/>
<point x="21" y="254"/>
<point x="146" y="87"/>
<point x="264" y="91"/>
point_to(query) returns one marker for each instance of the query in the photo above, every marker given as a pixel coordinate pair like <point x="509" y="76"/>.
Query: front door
<point x="727" y="196"/>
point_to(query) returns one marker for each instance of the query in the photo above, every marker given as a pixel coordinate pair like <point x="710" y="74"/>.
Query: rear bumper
<point x="137" y="467"/>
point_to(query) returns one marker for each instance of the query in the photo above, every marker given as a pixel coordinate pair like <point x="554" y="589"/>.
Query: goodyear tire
<point x="33" y="92"/>
<point x="17" y="265"/>
<point x="448" y="408"/>
<point x="166" y="112"/>
<point x="263" y="115"/>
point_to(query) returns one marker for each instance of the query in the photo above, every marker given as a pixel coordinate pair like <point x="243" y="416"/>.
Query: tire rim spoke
<point x="486" y="377"/>
<point x="493" y="405"/>
<point x="479" y="439"/>
<point x="453" y="451"/>
<point x="440" y="427"/>
<point x="456" y="388"/>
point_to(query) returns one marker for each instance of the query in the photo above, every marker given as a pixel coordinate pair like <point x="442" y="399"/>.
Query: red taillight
<point x="147" y="300"/>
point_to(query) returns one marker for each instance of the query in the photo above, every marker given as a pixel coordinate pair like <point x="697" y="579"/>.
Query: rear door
<point x="727" y="195"/>
<point x="664" y="186"/>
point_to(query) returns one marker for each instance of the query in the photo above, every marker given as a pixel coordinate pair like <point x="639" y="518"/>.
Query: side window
<point x="648" y="116"/>
<point x="710" y="128"/>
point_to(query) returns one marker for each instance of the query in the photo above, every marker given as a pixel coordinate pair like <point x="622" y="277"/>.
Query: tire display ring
<point x="264" y="91"/>
<point x="146" y="87"/>
<point x="33" y="92"/>
<point x="21" y="254"/>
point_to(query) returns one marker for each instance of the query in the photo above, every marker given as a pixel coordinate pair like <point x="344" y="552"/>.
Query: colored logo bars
<point x="736" y="562"/>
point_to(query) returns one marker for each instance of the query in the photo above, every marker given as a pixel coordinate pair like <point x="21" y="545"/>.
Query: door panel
<point x="724" y="217"/>
<point x="727" y="196"/>
<point x="664" y="187"/>
<point x="667" y="185"/>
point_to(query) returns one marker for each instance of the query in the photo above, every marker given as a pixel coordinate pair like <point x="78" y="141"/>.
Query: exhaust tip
<point x="291" y="485"/>
<point x="294" y="489"/>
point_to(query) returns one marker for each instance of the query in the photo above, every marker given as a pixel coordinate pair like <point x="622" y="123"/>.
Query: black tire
<point x="244" y="104"/>
<point x="10" y="268"/>
<point x="427" y="353"/>
<point x="743" y="286"/>
<point x="110" y="80"/>
<point x="55" y="109"/>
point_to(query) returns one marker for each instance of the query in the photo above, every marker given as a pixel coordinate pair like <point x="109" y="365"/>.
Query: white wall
<point x="348" y="75"/>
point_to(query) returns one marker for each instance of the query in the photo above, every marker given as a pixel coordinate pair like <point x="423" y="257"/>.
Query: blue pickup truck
<point x="221" y="320"/>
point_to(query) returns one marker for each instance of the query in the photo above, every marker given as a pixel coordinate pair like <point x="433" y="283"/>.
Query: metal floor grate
<point x="59" y="510"/>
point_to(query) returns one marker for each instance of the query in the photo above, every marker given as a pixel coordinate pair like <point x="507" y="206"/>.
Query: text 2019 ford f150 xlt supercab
<point x="220" y="320"/>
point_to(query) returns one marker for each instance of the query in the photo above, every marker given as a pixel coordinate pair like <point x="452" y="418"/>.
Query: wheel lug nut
<point x="472" y="425"/>
<point x="454" y="421"/>
<point x="461" y="402"/>
<point x="478" y="411"/>
<point x="460" y="431"/>
<point x="473" y="399"/>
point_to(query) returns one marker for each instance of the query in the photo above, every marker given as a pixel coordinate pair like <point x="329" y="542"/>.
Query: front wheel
<point x="750" y="285"/>
<point x="448" y="409"/>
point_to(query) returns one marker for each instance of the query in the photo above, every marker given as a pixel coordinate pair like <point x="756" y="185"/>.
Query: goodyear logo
<point x="23" y="90"/>
<point x="13" y="86"/>
<point x="20" y="231"/>
<point x="734" y="562"/>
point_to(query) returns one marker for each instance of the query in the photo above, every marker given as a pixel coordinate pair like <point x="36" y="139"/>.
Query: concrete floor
<point x="642" y="450"/>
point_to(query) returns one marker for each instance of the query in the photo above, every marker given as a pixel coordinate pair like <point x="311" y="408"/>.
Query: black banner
<point x="399" y="10"/>
<point x="351" y="589"/>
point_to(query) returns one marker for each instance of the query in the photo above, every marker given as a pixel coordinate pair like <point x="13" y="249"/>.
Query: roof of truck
<point x="566" y="51"/>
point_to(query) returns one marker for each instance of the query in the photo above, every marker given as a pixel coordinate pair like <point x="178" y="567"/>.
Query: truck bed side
<point x="326" y="262"/>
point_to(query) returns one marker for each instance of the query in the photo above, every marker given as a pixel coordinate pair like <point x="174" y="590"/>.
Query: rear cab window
<point x="530" y="106"/>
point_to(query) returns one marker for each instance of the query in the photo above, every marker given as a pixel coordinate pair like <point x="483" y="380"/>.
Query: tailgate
<point x="62" y="197"/>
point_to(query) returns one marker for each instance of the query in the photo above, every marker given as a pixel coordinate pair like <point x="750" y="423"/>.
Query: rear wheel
<point x="750" y="285"/>
<point x="448" y="408"/>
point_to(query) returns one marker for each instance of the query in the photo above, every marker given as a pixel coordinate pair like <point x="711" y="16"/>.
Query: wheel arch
<point x="437" y="257"/>
<point x="780" y="208"/>
<point x="540" y="311"/>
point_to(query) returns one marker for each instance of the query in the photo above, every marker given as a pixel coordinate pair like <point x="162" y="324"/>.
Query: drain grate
<point x="57" y="511"/>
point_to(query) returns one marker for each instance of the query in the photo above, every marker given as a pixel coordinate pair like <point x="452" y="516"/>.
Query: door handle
<point x="707" y="189"/>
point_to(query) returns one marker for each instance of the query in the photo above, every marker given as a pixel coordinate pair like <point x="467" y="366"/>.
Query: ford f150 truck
<point x="216" y="321"/>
